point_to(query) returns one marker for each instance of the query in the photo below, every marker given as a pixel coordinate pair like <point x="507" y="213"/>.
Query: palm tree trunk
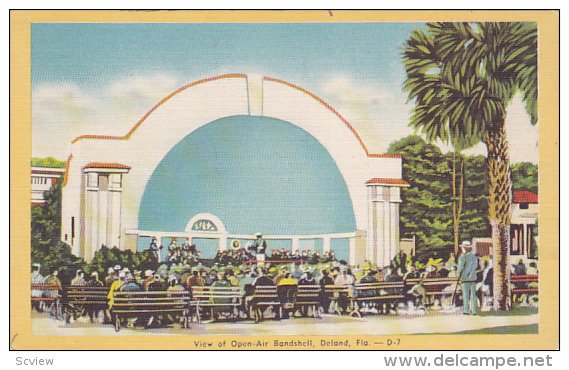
<point x="499" y="202"/>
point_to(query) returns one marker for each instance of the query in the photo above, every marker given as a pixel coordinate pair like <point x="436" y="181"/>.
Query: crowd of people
<point x="285" y="268"/>
<point x="237" y="254"/>
<point x="187" y="253"/>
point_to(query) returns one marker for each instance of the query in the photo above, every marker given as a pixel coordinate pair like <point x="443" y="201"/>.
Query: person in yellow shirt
<point x="116" y="285"/>
<point x="286" y="289"/>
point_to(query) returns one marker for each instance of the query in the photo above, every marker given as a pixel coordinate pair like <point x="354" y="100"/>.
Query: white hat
<point x="122" y="274"/>
<point x="466" y="244"/>
<point x="94" y="273"/>
<point x="117" y="267"/>
<point x="259" y="234"/>
<point x="36" y="265"/>
<point x="148" y="273"/>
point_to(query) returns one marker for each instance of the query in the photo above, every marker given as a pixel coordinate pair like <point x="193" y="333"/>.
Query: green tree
<point x="426" y="208"/>
<point x="462" y="77"/>
<point x="524" y="176"/>
<point x="46" y="219"/>
<point x="109" y="257"/>
<point x="457" y="186"/>
<point x="47" y="162"/>
<point x="46" y="247"/>
<point x="474" y="222"/>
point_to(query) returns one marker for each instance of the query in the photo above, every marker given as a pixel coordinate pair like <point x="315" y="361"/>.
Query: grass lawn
<point x="515" y="311"/>
<point x="520" y="329"/>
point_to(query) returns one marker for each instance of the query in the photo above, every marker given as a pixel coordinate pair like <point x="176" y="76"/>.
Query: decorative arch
<point x="206" y="217"/>
<point x="200" y="102"/>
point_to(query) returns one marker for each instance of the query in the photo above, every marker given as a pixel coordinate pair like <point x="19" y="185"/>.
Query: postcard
<point x="294" y="180"/>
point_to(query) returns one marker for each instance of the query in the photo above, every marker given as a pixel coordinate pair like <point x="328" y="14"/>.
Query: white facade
<point x="109" y="215"/>
<point x="42" y="179"/>
<point x="522" y="228"/>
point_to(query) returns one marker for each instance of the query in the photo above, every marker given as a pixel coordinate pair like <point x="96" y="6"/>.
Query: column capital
<point x="385" y="193"/>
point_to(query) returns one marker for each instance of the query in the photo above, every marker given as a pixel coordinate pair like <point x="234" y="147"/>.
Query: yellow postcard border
<point x="20" y="153"/>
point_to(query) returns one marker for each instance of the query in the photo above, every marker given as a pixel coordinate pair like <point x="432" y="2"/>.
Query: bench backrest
<point x="266" y="294"/>
<point x="308" y="294"/>
<point x="435" y="286"/>
<point x="210" y="293"/>
<point x="154" y="301"/>
<point x="340" y="289"/>
<point x="383" y="290"/>
<point x="86" y="295"/>
<point x="524" y="279"/>
<point x="44" y="292"/>
<point x="520" y="284"/>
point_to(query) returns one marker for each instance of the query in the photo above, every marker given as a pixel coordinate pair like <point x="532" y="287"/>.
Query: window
<point x="103" y="182"/>
<point x="524" y="205"/>
<point x="72" y="230"/>
<point x="92" y="179"/>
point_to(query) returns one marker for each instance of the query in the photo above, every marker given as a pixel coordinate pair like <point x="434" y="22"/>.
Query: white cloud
<point x="378" y="112"/>
<point x="61" y="112"/>
<point x="381" y="114"/>
<point x="521" y="134"/>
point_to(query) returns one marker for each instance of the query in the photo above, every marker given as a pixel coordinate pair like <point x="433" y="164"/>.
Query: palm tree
<point x="462" y="77"/>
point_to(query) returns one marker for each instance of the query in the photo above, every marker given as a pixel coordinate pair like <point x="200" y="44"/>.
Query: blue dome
<point x="255" y="174"/>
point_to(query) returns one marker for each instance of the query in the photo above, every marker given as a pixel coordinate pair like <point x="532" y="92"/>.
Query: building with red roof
<point x="525" y="210"/>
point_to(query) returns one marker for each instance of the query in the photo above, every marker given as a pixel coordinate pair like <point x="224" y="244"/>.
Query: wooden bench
<point x="149" y="304"/>
<point x="524" y="284"/>
<point x="263" y="297"/>
<point x="308" y="296"/>
<point x="204" y="297"/>
<point x="337" y="293"/>
<point x="79" y="300"/>
<point x="524" y="280"/>
<point x="377" y="293"/>
<point x="435" y="287"/>
<point x="45" y="292"/>
<point x="47" y="295"/>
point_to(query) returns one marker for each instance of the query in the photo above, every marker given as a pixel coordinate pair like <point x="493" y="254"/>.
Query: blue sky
<point x="94" y="54"/>
<point x="101" y="78"/>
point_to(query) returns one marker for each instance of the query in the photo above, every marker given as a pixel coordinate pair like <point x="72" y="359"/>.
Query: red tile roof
<point x="48" y="171"/>
<point x="524" y="196"/>
<point x="387" y="181"/>
<point x="107" y="165"/>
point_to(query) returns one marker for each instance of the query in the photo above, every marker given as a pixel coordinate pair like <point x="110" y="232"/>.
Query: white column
<point x="114" y="215"/>
<point x="102" y="220"/>
<point x="223" y="242"/>
<point x="90" y="204"/>
<point x="371" y="239"/>
<point x="394" y="228"/>
<point x="386" y="229"/>
<point x="352" y="259"/>
<point x="326" y="247"/>
<point x="295" y="244"/>
<point x="91" y="215"/>
<point x="378" y="228"/>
